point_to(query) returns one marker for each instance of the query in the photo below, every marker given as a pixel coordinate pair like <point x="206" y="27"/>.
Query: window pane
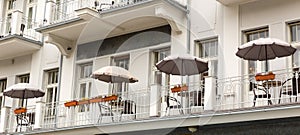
<point x="122" y="62"/>
<point x="49" y="95"/>
<point x="82" y="91"/>
<point x="293" y="33"/>
<point x="298" y="33"/>
<point x="214" y="66"/>
<point x="2" y="85"/>
<point x="209" y="50"/>
<point x="86" y="71"/>
<point x="0" y="102"/>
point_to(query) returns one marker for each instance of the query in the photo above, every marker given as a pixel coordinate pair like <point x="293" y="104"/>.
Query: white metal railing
<point x="22" y="122"/>
<point x="65" y="11"/>
<point x="233" y="94"/>
<point x="182" y="99"/>
<point x="134" y="106"/>
<point x="5" y="27"/>
<point x="246" y="92"/>
<point x="27" y="29"/>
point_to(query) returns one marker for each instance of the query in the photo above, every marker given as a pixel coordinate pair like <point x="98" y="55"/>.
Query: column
<point x="38" y="115"/>
<point x="16" y="22"/>
<point x="4" y="119"/>
<point x="49" y="11"/>
<point x="155" y="100"/>
<point x="210" y="93"/>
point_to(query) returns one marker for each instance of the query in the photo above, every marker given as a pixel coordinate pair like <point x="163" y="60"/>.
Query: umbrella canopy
<point x="23" y="91"/>
<point x="182" y="65"/>
<point x="265" y="49"/>
<point x="114" y="74"/>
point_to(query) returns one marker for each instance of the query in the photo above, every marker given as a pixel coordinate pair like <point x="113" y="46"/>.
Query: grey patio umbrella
<point x="265" y="49"/>
<point x="114" y="74"/>
<point x="23" y="91"/>
<point x="182" y="65"/>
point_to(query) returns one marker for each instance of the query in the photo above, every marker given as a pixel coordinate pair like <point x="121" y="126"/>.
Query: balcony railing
<point x="247" y="92"/>
<point x="65" y="11"/>
<point x="230" y="94"/>
<point x="27" y="29"/>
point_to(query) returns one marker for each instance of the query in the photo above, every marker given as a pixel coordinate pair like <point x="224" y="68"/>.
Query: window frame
<point x="258" y="66"/>
<point x="2" y="88"/>
<point x="84" y="80"/>
<point x="209" y="58"/>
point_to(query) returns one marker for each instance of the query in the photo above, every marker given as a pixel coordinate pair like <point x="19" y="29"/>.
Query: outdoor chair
<point x="255" y="88"/>
<point x="104" y="111"/>
<point x="129" y="107"/>
<point x="26" y="120"/>
<point x="290" y="87"/>
<point x="176" y="106"/>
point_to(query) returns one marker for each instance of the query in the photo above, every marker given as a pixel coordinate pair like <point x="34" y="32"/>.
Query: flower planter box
<point x="178" y="89"/>
<point x="82" y="102"/>
<point x="110" y="98"/>
<point x="71" y="103"/>
<point x="20" y="110"/>
<point x="96" y="100"/>
<point x="269" y="76"/>
<point x="105" y="99"/>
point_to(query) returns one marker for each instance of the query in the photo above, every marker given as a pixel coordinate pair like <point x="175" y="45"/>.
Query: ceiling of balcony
<point x="14" y="46"/>
<point x="108" y="29"/>
<point x="233" y="2"/>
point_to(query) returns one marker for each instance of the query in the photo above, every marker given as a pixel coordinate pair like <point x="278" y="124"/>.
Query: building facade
<point x="57" y="44"/>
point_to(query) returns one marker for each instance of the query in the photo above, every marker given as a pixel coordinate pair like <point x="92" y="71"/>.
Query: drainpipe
<point x="58" y="87"/>
<point x="188" y="27"/>
<point x="188" y="41"/>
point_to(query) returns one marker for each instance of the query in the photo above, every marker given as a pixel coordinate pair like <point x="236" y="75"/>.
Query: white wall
<point x="139" y="67"/>
<point x="100" y="87"/>
<point x="272" y="13"/>
<point x="10" y="68"/>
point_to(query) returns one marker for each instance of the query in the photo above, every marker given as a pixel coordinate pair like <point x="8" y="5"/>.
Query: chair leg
<point x="254" y="101"/>
<point x="100" y="120"/>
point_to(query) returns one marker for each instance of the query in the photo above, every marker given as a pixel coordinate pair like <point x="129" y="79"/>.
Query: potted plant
<point x="263" y="77"/>
<point x="83" y="101"/>
<point x="96" y="99"/>
<point x="20" y="110"/>
<point x="110" y="98"/>
<point x="71" y="103"/>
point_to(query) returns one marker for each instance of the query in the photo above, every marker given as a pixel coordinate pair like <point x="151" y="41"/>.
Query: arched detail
<point x="173" y="16"/>
<point x="66" y="47"/>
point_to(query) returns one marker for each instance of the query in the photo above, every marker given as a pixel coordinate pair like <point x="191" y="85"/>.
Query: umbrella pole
<point x="266" y="59"/>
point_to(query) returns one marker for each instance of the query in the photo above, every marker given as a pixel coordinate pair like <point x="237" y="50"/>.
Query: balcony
<point x="94" y="21"/>
<point x="19" y="37"/>
<point x="172" y="106"/>
<point x="234" y="2"/>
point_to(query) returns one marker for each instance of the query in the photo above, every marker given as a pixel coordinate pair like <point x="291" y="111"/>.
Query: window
<point x="85" y="83"/>
<point x="159" y="77"/>
<point x="22" y="79"/>
<point x="11" y="4"/>
<point x="208" y="49"/>
<point x="51" y="79"/>
<point x="30" y="1"/>
<point x="3" y="83"/>
<point x="123" y="62"/>
<point x="253" y="66"/>
<point x="8" y="23"/>
<point x="295" y="37"/>
<point x="29" y="19"/>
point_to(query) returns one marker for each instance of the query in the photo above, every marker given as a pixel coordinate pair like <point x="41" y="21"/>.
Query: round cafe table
<point x="271" y="83"/>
